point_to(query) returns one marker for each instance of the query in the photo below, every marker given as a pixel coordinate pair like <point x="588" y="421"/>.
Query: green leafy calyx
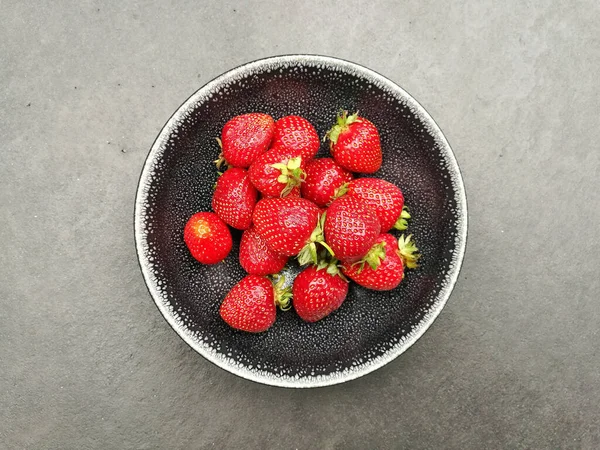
<point x="342" y="123"/>
<point x="331" y="266"/>
<point x="309" y="253"/>
<point x="291" y="174"/>
<point x="373" y="258"/>
<point x="402" y="222"/>
<point x="408" y="251"/>
<point x="341" y="191"/>
<point x="283" y="295"/>
<point x="221" y="159"/>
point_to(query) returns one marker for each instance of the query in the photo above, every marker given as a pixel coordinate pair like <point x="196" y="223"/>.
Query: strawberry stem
<point x="327" y="247"/>
<point x="408" y="251"/>
<point x="402" y="222"/>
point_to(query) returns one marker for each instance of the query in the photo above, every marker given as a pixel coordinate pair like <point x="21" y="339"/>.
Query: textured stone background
<point x="86" y="360"/>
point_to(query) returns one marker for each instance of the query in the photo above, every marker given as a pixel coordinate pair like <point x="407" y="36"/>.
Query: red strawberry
<point x="351" y="228"/>
<point x="207" y="237"/>
<point x="323" y="177"/>
<point x="286" y="224"/>
<point x="244" y="138"/>
<point x="277" y="173"/>
<point x="251" y="304"/>
<point x="354" y="143"/>
<point x="234" y="198"/>
<point x="383" y="267"/>
<point x="296" y="134"/>
<point x="384" y="198"/>
<point x="256" y="257"/>
<point x="318" y="292"/>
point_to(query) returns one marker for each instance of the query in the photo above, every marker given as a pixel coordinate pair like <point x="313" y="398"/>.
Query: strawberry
<point x="351" y="228"/>
<point x="286" y="224"/>
<point x="323" y="178"/>
<point x="354" y="143"/>
<point x="251" y="304"/>
<point x="296" y="134"/>
<point x="256" y="257"/>
<point x="318" y="292"/>
<point x="383" y="197"/>
<point x="383" y="267"/>
<point x="277" y="173"/>
<point x="207" y="237"/>
<point x="244" y="138"/>
<point x="234" y="198"/>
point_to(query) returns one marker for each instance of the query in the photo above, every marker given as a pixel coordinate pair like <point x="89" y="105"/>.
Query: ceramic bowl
<point x="371" y="328"/>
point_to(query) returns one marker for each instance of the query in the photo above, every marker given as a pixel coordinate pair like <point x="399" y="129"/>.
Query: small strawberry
<point x="383" y="197"/>
<point x="296" y="134"/>
<point x="277" y="173"/>
<point x="351" y="228"/>
<point x="354" y="143"/>
<point x="286" y="224"/>
<point x="318" y="291"/>
<point x="244" y="138"/>
<point x="323" y="178"/>
<point x="234" y="198"/>
<point x="256" y="257"/>
<point x="251" y="304"/>
<point x="207" y="237"/>
<point x="383" y="267"/>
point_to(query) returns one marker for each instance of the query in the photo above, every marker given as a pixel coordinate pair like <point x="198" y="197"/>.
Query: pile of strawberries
<point x="290" y="204"/>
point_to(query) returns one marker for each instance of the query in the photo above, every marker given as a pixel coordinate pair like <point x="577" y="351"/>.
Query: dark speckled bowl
<point x="371" y="328"/>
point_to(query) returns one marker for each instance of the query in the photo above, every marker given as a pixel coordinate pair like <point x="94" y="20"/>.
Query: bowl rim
<point x="357" y="371"/>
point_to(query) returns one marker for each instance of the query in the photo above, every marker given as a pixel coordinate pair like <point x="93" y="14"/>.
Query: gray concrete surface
<point x="86" y="360"/>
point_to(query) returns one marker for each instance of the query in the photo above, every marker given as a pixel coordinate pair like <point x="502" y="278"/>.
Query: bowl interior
<point x="371" y="327"/>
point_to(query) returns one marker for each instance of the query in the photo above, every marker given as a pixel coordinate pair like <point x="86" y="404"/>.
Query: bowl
<point x="371" y="328"/>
